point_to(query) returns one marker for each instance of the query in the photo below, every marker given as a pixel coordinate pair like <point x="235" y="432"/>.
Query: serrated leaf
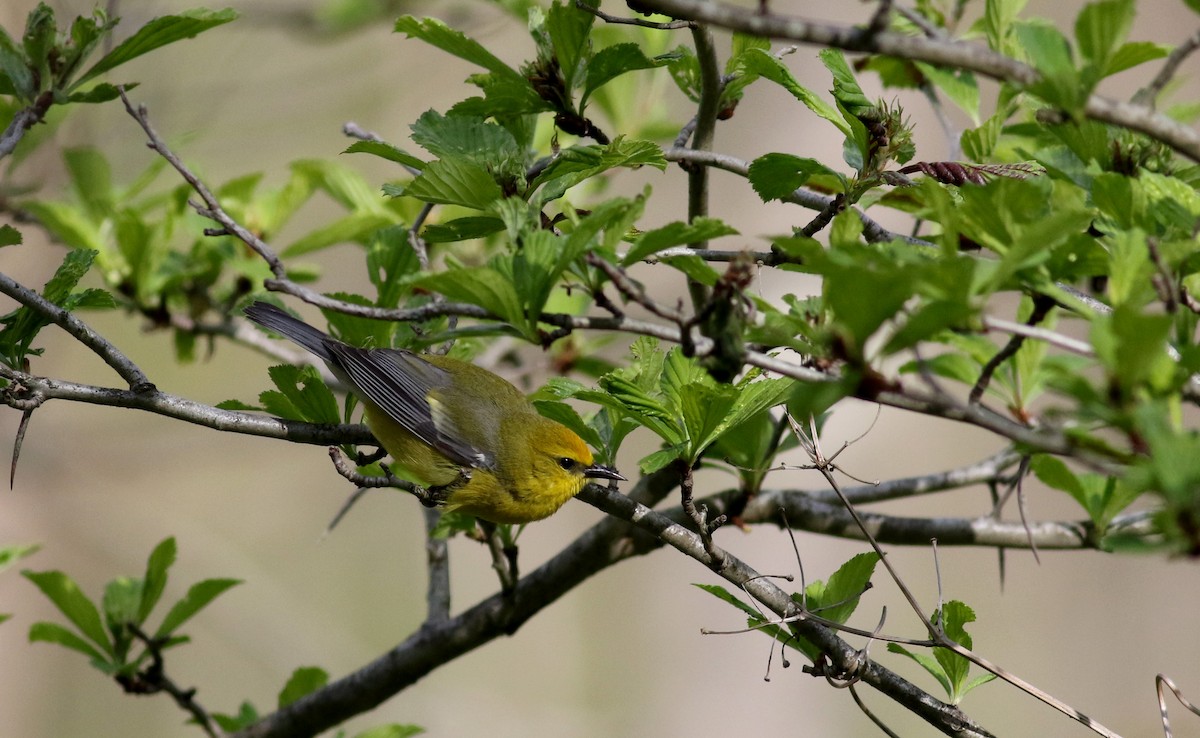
<point x="14" y="68"/>
<point x="845" y="87"/>
<point x="198" y="596"/>
<point x="612" y="61"/>
<point x="565" y="414"/>
<point x="954" y="616"/>
<point x="578" y="163"/>
<point x="304" y="680"/>
<point x="158" y="32"/>
<point x="455" y="182"/>
<point x="307" y="396"/>
<point x="759" y="62"/>
<point x="776" y="176"/>
<point x="9" y="236"/>
<point x="482" y="286"/>
<point x="436" y="33"/>
<point x="838" y="598"/>
<point x="73" y="603"/>
<point x="1100" y="28"/>
<point x="569" y="29"/>
<point x="1050" y="53"/>
<point x="677" y="233"/>
<point x="468" y="138"/>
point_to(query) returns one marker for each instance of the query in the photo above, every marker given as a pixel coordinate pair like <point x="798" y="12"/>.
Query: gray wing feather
<point x="397" y="382"/>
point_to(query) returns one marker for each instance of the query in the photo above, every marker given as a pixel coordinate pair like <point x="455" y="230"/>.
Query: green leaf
<point x="40" y="34"/>
<point x="395" y="730"/>
<point x="1132" y="54"/>
<point x="353" y="228"/>
<point x="1050" y="54"/>
<point x="462" y="229"/>
<point x="845" y="87"/>
<point x="613" y="61"/>
<point x="100" y="93"/>
<point x="73" y="603"/>
<point x="158" y="32"/>
<point x="929" y="663"/>
<point x="677" y="233"/>
<point x="469" y="138"/>
<point x="246" y="717"/>
<point x="198" y="597"/>
<point x="482" y="286"/>
<point x="10" y="555"/>
<point x="837" y="599"/>
<point x="776" y="176"/>
<point x="304" y="680"/>
<point x="91" y="178"/>
<point x="997" y="20"/>
<point x="455" y="182"/>
<point x="578" y="163"/>
<point x="155" y="581"/>
<point x="9" y="236"/>
<point x="54" y="633"/>
<point x="569" y="28"/>
<point x="436" y="33"/>
<point x="308" y="398"/>
<point x="385" y="151"/>
<point x="343" y="184"/>
<point x="756" y="620"/>
<point x="68" y="224"/>
<point x="121" y="599"/>
<point x="959" y="85"/>
<point x="1100" y="28"/>
<point x="954" y="616"/>
<point x="760" y="62"/>
<point x="14" y="69"/>
<point x="565" y="414"/>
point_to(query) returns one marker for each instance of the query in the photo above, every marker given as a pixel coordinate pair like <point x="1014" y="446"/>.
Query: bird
<point x="465" y="434"/>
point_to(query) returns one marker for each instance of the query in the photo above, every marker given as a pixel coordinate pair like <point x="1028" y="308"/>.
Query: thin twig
<point x="1041" y="309"/>
<point x="1148" y="95"/>
<point x="668" y="26"/>
<point x="948" y="53"/>
<point x="79" y="330"/>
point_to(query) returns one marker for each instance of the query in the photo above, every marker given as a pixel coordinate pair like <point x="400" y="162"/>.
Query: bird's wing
<point x="400" y="384"/>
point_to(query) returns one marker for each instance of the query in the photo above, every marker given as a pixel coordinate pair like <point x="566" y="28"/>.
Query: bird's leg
<point x="504" y="555"/>
<point x="437" y="496"/>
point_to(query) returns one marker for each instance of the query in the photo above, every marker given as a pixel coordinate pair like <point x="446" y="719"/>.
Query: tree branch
<point x="954" y="54"/>
<point x="27" y="388"/>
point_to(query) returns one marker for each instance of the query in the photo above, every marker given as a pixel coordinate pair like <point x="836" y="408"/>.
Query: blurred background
<point x="621" y="655"/>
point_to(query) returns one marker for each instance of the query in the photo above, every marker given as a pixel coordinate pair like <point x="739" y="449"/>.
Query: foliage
<point x="113" y="633"/>
<point x="1046" y="294"/>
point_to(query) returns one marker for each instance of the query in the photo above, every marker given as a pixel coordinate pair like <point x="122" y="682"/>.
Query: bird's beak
<point x="598" y="471"/>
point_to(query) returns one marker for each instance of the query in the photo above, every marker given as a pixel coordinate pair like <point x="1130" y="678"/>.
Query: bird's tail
<point x="269" y="316"/>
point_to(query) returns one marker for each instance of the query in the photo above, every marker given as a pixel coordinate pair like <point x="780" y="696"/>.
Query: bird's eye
<point x="567" y="463"/>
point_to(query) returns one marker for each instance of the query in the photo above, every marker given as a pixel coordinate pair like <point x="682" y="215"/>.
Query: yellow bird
<point x="462" y="432"/>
